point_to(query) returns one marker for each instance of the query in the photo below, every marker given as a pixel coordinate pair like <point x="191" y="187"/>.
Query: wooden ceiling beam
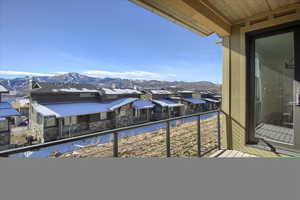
<point x="209" y="17"/>
<point x="268" y="13"/>
<point x="172" y="18"/>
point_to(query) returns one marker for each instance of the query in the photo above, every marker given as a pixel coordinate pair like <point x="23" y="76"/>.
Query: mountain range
<point x="21" y="84"/>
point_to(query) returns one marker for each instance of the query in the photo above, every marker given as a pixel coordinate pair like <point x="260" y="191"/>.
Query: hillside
<point x="21" y="84"/>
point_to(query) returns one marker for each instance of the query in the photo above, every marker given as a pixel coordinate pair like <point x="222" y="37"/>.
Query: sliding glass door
<point x="275" y="88"/>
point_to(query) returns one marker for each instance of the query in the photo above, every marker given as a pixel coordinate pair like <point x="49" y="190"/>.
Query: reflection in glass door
<point x="274" y="88"/>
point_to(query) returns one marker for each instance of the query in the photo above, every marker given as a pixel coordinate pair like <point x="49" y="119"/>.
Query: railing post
<point x="168" y="147"/>
<point x="199" y="136"/>
<point x="115" y="145"/>
<point x="219" y="131"/>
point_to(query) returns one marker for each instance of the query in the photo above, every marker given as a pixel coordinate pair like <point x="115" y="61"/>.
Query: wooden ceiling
<point x="208" y="16"/>
<point x="237" y="10"/>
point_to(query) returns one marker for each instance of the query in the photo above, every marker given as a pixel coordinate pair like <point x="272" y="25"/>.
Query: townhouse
<point x="191" y="105"/>
<point x="165" y="107"/>
<point x="6" y="112"/>
<point x="60" y="110"/>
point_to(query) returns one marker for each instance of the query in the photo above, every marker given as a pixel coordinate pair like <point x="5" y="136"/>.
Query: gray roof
<point x="84" y="108"/>
<point x="211" y="100"/>
<point x="194" y="100"/>
<point x="161" y="92"/>
<point x="109" y="91"/>
<point x="166" y="103"/>
<point x="7" y="110"/>
<point x="54" y="87"/>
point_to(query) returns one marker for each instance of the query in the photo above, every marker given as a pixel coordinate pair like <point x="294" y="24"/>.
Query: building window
<point x="273" y="86"/>
<point x="143" y="111"/>
<point x="103" y="116"/>
<point x="50" y="121"/>
<point x="87" y="95"/>
<point x="70" y="120"/>
<point x="3" y="125"/>
<point x="122" y="113"/>
<point x="94" y="117"/>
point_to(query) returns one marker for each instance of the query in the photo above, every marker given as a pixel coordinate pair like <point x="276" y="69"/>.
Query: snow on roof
<point x="167" y="103"/>
<point x="142" y="104"/>
<point x="22" y="102"/>
<point x="194" y="101"/>
<point x="73" y="90"/>
<point x="160" y="92"/>
<point x="121" y="91"/>
<point x="85" y="108"/>
<point x="6" y="110"/>
<point x="121" y="102"/>
<point x="50" y="87"/>
<point x="44" y="111"/>
<point x="212" y="100"/>
<point x="3" y="89"/>
<point x="175" y="98"/>
<point x="185" y="91"/>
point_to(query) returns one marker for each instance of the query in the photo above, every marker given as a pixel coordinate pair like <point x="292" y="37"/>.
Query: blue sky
<point x="114" y="38"/>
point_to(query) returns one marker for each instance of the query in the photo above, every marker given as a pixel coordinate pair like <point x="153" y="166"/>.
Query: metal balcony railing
<point x="169" y="126"/>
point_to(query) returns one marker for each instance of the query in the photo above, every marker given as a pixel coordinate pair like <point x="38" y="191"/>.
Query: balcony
<point x="195" y="135"/>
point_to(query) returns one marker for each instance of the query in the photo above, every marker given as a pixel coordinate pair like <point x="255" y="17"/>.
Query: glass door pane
<point x="274" y="88"/>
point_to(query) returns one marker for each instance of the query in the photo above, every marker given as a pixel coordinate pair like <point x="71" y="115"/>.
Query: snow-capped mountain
<point x="21" y="84"/>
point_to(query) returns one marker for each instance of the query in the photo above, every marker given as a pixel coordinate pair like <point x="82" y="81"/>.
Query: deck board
<point x="230" y="154"/>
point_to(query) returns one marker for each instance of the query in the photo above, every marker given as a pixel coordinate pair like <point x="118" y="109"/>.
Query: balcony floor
<point x="230" y="154"/>
<point x="275" y="133"/>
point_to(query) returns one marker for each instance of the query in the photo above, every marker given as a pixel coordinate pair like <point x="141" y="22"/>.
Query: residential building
<point x="191" y="105"/>
<point x="164" y="106"/>
<point x="212" y="104"/>
<point x="114" y="93"/>
<point x="60" y="110"/>
<point x="143" y="111"/>
<point x="138" y="112"/>
<point x="213" y="100"/>
<point x="158" y="94"/>
<point x="6" y="112"/>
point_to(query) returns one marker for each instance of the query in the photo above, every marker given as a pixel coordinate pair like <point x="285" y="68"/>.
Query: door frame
<point x="250" y="38"/>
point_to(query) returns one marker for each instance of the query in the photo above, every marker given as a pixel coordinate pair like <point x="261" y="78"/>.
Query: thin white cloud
<point x="18" y="73"/>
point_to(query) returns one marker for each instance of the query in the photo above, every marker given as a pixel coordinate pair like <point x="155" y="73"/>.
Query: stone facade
<point x="50" y="134"/>
<point x="36" y="126"/>
<point x="124" y="116"/>
<point x="100" y="125"/>
<point x="190" y="108"/>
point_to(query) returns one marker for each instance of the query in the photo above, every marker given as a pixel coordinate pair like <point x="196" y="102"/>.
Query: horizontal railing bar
<point x="96" y="134"/>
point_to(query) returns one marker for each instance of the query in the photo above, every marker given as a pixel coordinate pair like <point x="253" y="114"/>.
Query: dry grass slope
<point x="153" y="144"/>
